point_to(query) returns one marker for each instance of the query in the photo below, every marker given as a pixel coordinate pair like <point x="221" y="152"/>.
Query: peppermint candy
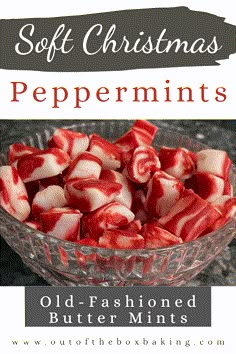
<point x="118" y="195"/>
<point x="13" y="194"/>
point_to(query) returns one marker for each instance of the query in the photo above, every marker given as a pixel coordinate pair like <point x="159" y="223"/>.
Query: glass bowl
<point x="63" y="263"/>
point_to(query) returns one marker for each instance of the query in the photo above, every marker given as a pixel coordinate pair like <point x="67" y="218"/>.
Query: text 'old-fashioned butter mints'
<point x="118" y="195"/>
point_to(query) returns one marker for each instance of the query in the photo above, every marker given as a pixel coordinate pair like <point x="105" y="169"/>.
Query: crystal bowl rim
<point x="72" y="246"/>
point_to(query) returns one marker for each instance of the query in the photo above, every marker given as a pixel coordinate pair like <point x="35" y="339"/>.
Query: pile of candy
<point x="120" y="195"/>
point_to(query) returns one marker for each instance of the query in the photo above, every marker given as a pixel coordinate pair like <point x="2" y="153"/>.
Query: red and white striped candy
<point x="178" y="162"/>
<point x="125" y="158"/>
<point x="121" y="239"/>
<point x="62" y="223"/>
<point x="47" y="163"/>
<point x="18" y="150"/>
<point x="111" y="216"/>
<point x="162" y="194"/>
<point x="33" y="224"/>
<point x="125" y="195"/>
<point x="156" y="237"/>
<point x="220" y="222"/>
<point x="85" y="165"/>
<point x="13" y="194"/>
<point x="73" y="143"/>
<point x="134" y="225"/>
<point x="209" y="187"/>
<point x="89" y="195"/>
<point x="109" y="153"/>
<point x="138" y="206"/>
<point x="226" y="206"/>
<point x="129" y="141"/>
<point x="106" y="196"/>
<point x="141" y="133"/>
<point x="143" y="164"/>
<point x="48" y="198"/>
<point x="215" y="162"/>
<point x="228" y="188"/>
<point x="145" y="130"/>
<point x="189" y="217"/>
